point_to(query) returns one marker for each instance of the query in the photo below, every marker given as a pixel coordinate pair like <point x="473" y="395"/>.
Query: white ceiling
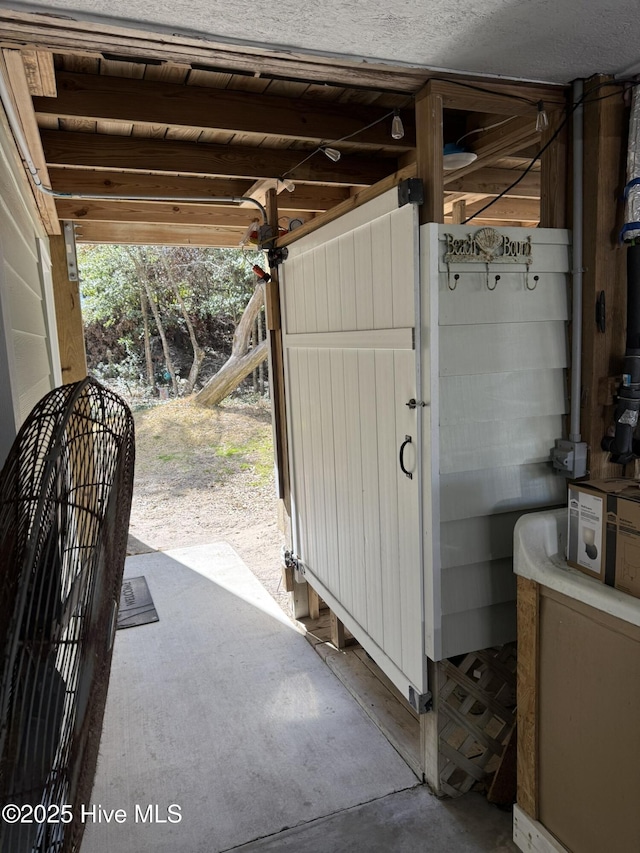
<point x="550" y="40"/>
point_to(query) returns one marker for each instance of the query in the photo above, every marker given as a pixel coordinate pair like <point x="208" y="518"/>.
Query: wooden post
<point x="314" y="602"/>
<point x="528" y="608"/>
<point x="337" y="631"/>
<point x="553" y="175"/>
<point x="429" y="144"/>
<point x="430" y="731"/>
<point x="459" y="212"/>
<point x="604" y="262"/>
<point x="73" y="359"/>
<point x="276" y="368"/>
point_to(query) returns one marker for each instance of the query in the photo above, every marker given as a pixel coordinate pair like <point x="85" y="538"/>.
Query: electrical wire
<point x="482" y="129"/>
<point x="344" y="138"/>
<point x="581" y="101"/>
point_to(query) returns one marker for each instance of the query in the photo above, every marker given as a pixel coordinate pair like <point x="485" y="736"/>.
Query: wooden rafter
<point x="162" y="213"/>
<point x="83" y="37"/>
<point x="172" y="156"/>
<point x="99" y="97"/>
<point x="159" y="235"/>
<point x="491" y="181"/>
<point x="306" y="197"/>
<point x="495" y="144"/>
<point x="13" y="69"/>
<point x="40" y="73"/>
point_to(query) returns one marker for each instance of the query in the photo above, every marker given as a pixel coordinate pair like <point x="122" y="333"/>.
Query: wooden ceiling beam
<point x="103" y="98"/>
<point x="11" y="66"/>
<point x="492" y="181"/>
<point x="64" y="35"/>
<point x="506" y="209"/>
<point x="508" y="139"/>
<point x="111" y="183"/>
<point x="305" y="197"/>
<point x="500" y="98"/>
<point x="41" y="75"/>
<point x="156" y="235"/>
<point x="232" y="216"/>
<point x="235" y="161"/>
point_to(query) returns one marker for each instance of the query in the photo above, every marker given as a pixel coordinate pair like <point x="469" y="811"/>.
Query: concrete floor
<point x="223" y="709"/>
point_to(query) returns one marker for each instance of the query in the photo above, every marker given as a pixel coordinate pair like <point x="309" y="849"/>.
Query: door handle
<point x="407" y="440"/>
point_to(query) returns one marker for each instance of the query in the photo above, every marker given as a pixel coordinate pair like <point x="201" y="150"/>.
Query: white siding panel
<point x="480" y="628"/>
<point x="498" y="396"/>
<point x="310" y="321"/>
<point x="472" y="493"/>
<point x="31" y="360"/>
<point x="477" y="540"/>
<point x="497" y="347"/>
<point x="27" y="312"/>
<point x="477" y="585"/>
<point x="496" y="444"/>
<point x="471" y="303"/>
<point x="32" y="395"/>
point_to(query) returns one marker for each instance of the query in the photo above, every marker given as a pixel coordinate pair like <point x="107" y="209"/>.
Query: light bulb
<point x="332" y="153"/>
<point x="397" y="128"/>
<point x="542" y="119"/>
<point x="288" y="185"/>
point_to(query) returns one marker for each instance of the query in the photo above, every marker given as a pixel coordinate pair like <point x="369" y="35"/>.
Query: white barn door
<point x="349" y="307"/>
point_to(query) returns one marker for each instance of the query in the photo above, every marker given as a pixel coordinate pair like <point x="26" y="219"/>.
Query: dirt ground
<point x="205" y="475"/>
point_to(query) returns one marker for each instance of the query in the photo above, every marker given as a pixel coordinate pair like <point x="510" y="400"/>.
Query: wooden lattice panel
<point x="477" y="714"/>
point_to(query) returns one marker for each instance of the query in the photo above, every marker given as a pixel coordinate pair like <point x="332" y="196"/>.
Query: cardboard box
<point x="604" y="531"/>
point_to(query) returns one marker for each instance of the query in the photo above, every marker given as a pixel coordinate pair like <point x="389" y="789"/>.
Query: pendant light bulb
<point x="331" y="153"/>
<point x="542" y="119"/>
<point x="397" y="128"/>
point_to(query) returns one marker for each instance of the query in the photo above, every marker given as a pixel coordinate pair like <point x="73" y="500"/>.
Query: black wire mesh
<point x="65" y="501"/>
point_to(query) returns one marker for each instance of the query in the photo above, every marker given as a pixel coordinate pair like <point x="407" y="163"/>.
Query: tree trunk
<point x="198" y="352"/>
<point x="142" y="275"/>
<point x="144" y="307"/>
<point x="242" y="359"/>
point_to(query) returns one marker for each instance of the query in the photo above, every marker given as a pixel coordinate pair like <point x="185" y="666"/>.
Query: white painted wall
<point x="29" y="360"/>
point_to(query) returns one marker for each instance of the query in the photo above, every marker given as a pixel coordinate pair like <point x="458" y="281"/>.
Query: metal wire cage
<point x="65" y="501"/>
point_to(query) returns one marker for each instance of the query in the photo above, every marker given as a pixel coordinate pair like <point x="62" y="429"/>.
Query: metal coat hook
<point x="536" y="279"/>
<point x="455" y="281"/>
<point x="495" y="281"/>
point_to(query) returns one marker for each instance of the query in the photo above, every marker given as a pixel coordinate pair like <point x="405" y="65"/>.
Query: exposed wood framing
<point x="144" y="234"/>
<point x="429" y="144"/>
<point x="99" y="97"/>
<point x="305" y="197"/>
<point x="40" y="73"/>
<point x="528" y="605"/>
<point x="163" y="155"/>
<point x="503" y="98"/>
<point x="276" y="372"/>
<point x="491" y="181"/>
<point x="160" y="213"/>
<point x="516" y="209"/>
<point x="73" y="360"/>
<point x="492" y="146"/>
<point x="13" y="69"/>
<point x="314" y="603"/>
<point x="337" y="631"/>
<point x="605" y="131"/>
<point x="350" y="204"/>
<point x="84" y="37"/>
<point x="553" y="176"/>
